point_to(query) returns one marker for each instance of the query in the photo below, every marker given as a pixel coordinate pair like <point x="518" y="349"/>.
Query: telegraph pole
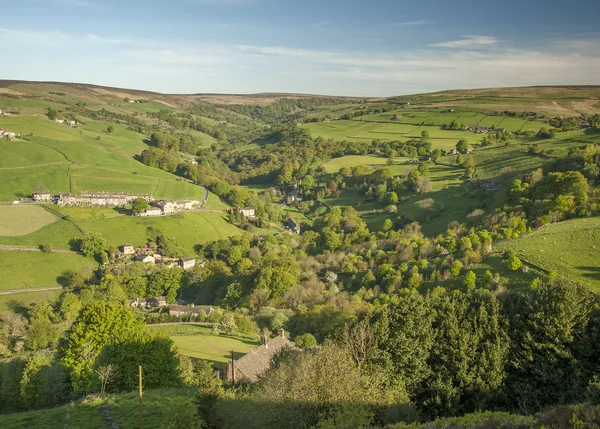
<point x="232" y="370"/>
<point x="140" y="389"/>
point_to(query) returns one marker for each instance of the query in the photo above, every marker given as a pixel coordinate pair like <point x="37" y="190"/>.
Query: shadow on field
<point x="591" y="272"/>
<point x="17" y="307"/>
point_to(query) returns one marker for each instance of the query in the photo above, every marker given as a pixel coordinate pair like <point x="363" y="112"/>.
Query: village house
<point x="181" y="310"/>
<point x="60" y="121"/>
<point x="8" y="134"/>
<point x="292" y="197"/>
<point x="88" y="199"/>
<point x="159" y="301"/>
<point x="146" y="259"/>
<point x="151" y="211"/>
<point x="127" y="249"/>
<point x="248" y="212"/>
<point x="250" y="366"/>
<point x="292" y="226"/>
<point x="187" y="263"/>
<point x="43" y="197"/>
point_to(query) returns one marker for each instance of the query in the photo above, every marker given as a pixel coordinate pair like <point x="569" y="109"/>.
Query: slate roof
<point x="250" y="366"/>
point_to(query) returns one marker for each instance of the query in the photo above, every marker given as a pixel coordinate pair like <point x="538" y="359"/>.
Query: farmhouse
<point x="292" y="197"/>
<point x="252" y="365"/>
<point x="187" y="263"/>
<point x="248" y="212"/>
<point x="181" y="310"/>
<point x="88" y="199"/>
<point x="146" y="259"/>
<point x="127" y="249"/>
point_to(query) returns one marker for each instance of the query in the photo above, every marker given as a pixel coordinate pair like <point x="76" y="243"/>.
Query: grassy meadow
<point x="160" y="407"/>
<point x="570" y="248"/>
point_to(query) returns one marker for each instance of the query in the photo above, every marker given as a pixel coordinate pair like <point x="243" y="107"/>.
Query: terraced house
<point x="100" y="199"/>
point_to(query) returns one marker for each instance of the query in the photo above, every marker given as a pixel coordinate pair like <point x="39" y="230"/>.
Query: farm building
<point x="292" y="226"/>
<point x="181" y="310"/>
<point x="292" y="197"/>
<point x="146" y="259"/>
<point x="187" y="263"/>
<point x="248" y="212"/>
<point x="88" y="199"/>
<point x="252" y="365"/>
<point x="43" y="197"/>
<point x="128" y="249"/>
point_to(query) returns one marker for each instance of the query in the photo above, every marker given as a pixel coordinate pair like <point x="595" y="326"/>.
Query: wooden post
<point x="232" y="370"/>
<point x="140" y="389"/>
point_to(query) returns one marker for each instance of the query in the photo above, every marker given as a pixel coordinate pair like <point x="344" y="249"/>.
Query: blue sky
<point x="363" y="48"/>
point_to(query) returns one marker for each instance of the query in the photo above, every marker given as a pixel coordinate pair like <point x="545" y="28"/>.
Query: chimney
<point x="281" y="332"/>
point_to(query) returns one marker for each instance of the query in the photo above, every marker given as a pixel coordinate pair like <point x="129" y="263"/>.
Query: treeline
<point x="284" y="109"/>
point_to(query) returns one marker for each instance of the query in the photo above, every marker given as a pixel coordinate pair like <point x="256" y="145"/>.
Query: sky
<point x="351" y="47"/>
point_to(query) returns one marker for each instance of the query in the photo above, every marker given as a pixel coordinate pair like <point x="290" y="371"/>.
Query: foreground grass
<point x="160" y="407"/>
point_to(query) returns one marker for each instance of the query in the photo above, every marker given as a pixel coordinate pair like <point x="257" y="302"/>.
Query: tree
<point x="139" y="205"/>
<point x="390" y="198"/>
<point x="423" y="169"/>
<point x="70" y="306"/>
<point x="227" y="324"/>
<point x="153" y="350"/>
<point x="462" y="145"/>
<point x="97" y="325"/>
<point x="92" y="244"/>
<point x="514" y="263"/>
<point x="470" y="280"/>
<point x="455" y="268"/>
<point x="425" y="134"/>
<point x="163" y="281"/>
<point x="46" y="247"/>
<point x="105" y="373"/>
<point x="110" y="129"/>
<point x="305" y="341"/>
<point x="436" y="154"/>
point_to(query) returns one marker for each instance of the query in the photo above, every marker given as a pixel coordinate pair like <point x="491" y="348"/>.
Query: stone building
<point x="87" y="199"/>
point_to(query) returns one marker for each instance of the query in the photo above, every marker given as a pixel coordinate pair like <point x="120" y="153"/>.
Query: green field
<point x="18" y="220"/>
<point x="18" y="302"/>
<point x="334" y="165"/>
<point x="160" y="407"/>
<point x="20" y="270"/>
<point x="356" y="130"/>
<point x="197" y="342"/>
<point x="570" y="248"/>
<point x="185" y="230"/>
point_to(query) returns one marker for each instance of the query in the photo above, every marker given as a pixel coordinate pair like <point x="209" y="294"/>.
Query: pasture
<point x="19" y="220"/>
<point x="570" y="248"/>
<point x="198" y="342"/>
<point x="357" y="130"/>
<point x="25" y="269"/>
<point x="21" y="301"/>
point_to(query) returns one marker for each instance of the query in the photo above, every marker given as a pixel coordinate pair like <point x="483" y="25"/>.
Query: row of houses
<point x="483" y="130"/>
<point x="161" y="208"/>
<point x="128" y="250"/>
<point x="88" y="199"/>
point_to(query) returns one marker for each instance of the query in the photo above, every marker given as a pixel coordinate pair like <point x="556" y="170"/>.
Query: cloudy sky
<point x="351" y="47"/>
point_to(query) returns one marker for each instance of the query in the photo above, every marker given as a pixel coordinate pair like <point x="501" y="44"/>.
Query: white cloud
<point x="468" y="42"/>
<point x="411" y="23"/>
